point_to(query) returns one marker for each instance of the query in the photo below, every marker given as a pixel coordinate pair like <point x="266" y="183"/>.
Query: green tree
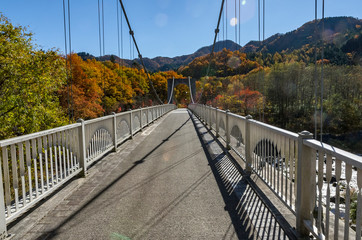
<point x="29" y="79"/>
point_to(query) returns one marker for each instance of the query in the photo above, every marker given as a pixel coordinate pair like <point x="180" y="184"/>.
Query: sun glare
<point x="233" y="22"/>
<point x="243" y="2"/>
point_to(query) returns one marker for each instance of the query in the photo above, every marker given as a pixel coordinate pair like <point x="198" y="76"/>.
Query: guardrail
<point x="33" y="166"/>
<point x="308" y="176"/>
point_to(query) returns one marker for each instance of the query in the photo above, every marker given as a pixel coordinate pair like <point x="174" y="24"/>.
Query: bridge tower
<point x="172" y="83"/>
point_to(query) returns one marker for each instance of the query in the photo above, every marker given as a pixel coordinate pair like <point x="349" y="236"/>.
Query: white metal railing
<point x="319" y="183"/>
<point x="34" y="165"/>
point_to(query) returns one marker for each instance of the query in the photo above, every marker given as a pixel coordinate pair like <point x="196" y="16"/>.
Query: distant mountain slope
<point x="339" y="31"/>
<point x="167" y="63"/>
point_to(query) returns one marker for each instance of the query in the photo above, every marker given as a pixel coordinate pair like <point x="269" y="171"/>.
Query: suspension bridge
<point x="165" y="173"/>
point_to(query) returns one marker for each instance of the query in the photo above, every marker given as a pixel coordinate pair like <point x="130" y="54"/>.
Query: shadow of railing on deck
<point x="250" y="216"/>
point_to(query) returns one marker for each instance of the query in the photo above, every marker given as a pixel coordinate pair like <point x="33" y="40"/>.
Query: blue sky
<point x="162" y="27"/>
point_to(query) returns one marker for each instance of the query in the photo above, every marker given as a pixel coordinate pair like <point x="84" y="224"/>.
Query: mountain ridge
<point x="338" y="31"/>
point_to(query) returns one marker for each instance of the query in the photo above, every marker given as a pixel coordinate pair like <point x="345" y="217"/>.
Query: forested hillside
<point x="38" y="90"/>
<point x="279" y="85"/>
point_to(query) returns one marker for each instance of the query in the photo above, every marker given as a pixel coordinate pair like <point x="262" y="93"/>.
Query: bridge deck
<point x="166" y="183"/>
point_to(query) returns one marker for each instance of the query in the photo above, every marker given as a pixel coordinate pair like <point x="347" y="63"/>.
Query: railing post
<point x="130" y="123"/>
<point x="147" y="113"/>
<point x="206" y="115"/>
<point x="3" y="232"/>
<point x="114" y="131"/>
<point x="217" y="121"/>
<point x="227" y="131"/>
<point x="141" y="119"/>
<point x="203" y="113"/>
<point x="82" y="149"/>
<point x="247" y="145"/>
<point x="305" y="184"/>
<point x="209" y="116"/>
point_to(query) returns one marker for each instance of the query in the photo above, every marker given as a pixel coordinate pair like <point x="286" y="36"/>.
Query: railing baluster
<point x="6" y="179"/>
<point x="320" y="186"/>
<point x="33" y="143"/>
<point x="60" y="160"/>
<point x="51" y="160"/>
<point x="348" y="173"/>
<point x="67" y="149"/>
<point x="359" y="205"/>
<point x="291" y="172"/>
<point x="338" y="166"/>
<point x="15" y="176"/>
<point x="64" y="163"/>
<point x="71" y="150"/>
<point x="40" y="153"/>
<point x="3" y="231"/>
<point x="46" y="161"/>
<point x="28" y="165"/>
<point x="287" y="170"/>
<point x="22" y="171"/>
<point x="328" y="204"/>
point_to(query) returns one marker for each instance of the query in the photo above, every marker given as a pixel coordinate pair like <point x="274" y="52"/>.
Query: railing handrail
<point x="14" y="140"/>
<point x="281" y="131"/>
<point x="342" y="155"/>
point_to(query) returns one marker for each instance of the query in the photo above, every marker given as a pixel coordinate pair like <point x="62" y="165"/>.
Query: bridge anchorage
<point x="172" y="83"/>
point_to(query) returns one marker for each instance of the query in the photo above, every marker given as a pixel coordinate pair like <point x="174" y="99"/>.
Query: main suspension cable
<point x="213" y="45"/>
<point x="138" y="51"/>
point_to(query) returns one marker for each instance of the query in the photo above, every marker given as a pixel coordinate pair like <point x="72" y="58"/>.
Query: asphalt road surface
<point x="157" y="186"/>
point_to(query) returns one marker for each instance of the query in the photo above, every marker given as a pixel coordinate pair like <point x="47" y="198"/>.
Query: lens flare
<point x="233" y="22"/>
<point x="243" y="2"/>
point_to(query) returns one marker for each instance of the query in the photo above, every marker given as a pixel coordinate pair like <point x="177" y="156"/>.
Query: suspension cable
<point x="226" y="22"/>
<point x="122" y="38"/>
<point x="66" y="59"/>
<point x="239" y="19"/>
<point x="322" y="58"/>
<point x="138" y="51"/>
<point x="104" y="50"/>
<point x="263" y="76"/>
<point x="118" y="43"/>
<point x="99" y="29"/>
<point x="259" y="20"/>
<point x="192" y="98"/>
<point x="223" y="28"/>
<point x="171" y="95"/>
<point x="315" y="68"/>
<point x="236" y="27"/>
<point x="213" y="45"/>
<point x="70" y="64"/>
